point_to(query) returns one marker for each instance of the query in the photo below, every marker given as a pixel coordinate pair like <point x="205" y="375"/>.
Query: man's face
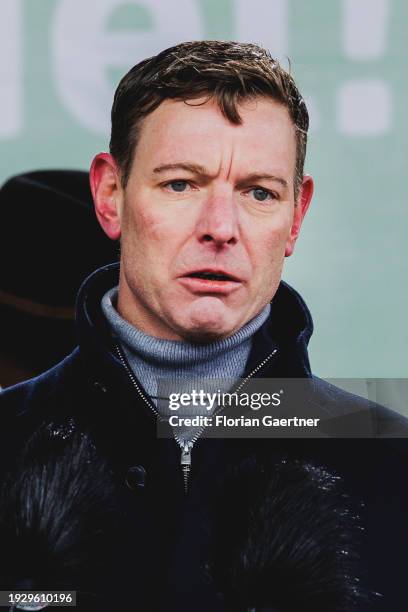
<point x="206" y="218"/>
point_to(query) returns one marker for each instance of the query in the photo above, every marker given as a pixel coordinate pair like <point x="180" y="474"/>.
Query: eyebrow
<point x="255" y="177"/>
<point x="198" y="169"/>
<point x="194" y="168"/>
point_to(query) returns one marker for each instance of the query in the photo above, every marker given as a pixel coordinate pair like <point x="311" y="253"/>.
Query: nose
<point x="218" y="222"/>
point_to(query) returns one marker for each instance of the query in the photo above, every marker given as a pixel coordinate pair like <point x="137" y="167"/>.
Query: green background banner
<point x="61" y="59"/>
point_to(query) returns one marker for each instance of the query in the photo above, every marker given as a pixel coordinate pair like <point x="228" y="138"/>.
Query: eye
<point x="177" y="186"/>
<point x="261" y="194"/>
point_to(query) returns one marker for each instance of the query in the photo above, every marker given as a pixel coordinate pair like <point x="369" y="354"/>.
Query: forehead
<point x="197" y="131"/>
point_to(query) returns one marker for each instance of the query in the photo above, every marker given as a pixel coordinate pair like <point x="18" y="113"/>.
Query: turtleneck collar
<point x="176" y="354"/>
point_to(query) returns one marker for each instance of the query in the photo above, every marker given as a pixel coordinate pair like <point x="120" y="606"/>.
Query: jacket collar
<point x="288" y="329"/>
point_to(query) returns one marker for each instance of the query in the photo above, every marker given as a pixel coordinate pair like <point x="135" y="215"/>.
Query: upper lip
<point x="230" y="276"/>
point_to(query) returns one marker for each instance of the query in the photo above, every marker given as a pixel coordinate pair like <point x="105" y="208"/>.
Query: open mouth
<point x="214" y="276"/>
<point x="217" y="282"/>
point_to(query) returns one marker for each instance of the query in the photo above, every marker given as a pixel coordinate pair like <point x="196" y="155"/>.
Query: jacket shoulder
<point x="341" y="404"/>
<point x="36" y="394"/>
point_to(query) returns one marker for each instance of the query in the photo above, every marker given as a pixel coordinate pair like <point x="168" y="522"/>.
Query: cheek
<point x="154" y="242"/>
<point x="269" y="250"/>
<point x="143" y="231"/>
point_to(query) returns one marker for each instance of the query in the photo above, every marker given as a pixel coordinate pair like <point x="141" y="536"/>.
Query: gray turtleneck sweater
<point x="216" y="364"/>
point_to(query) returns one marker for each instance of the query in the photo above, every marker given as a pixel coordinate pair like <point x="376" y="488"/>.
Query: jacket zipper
<point x="186" y="447"/>
<point x="186" y="462"/>
<point x="134" y="382"/>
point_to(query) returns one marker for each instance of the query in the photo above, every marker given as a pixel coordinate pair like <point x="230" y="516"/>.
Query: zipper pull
<point x="186" y="464"/>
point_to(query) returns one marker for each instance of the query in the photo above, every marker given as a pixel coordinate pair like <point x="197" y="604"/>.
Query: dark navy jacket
<point x="159" y="557"/>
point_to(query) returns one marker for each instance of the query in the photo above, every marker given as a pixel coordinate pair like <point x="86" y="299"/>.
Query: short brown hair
<point x="228" y="72"/>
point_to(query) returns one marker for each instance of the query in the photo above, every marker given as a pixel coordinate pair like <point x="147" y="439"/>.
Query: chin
<point x="206" y="320"/>
<point x="207" y="331"/>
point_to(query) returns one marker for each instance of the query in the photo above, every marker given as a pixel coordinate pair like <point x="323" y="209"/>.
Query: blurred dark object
<point x="50" y="242"/>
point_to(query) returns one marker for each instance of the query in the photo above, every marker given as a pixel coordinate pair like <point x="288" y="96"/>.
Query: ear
<point x="301" y="206"/>
<point x="107" y="193"/>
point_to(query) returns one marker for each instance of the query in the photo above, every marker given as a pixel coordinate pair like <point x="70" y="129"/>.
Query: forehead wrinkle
<point x="226" y="167"/>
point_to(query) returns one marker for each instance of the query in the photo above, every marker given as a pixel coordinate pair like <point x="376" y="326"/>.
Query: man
<point x="204" y="187"/>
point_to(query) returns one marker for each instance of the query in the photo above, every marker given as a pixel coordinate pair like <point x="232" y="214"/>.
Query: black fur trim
<point x="58" y="515"/>
<point x="286" y="539"/>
